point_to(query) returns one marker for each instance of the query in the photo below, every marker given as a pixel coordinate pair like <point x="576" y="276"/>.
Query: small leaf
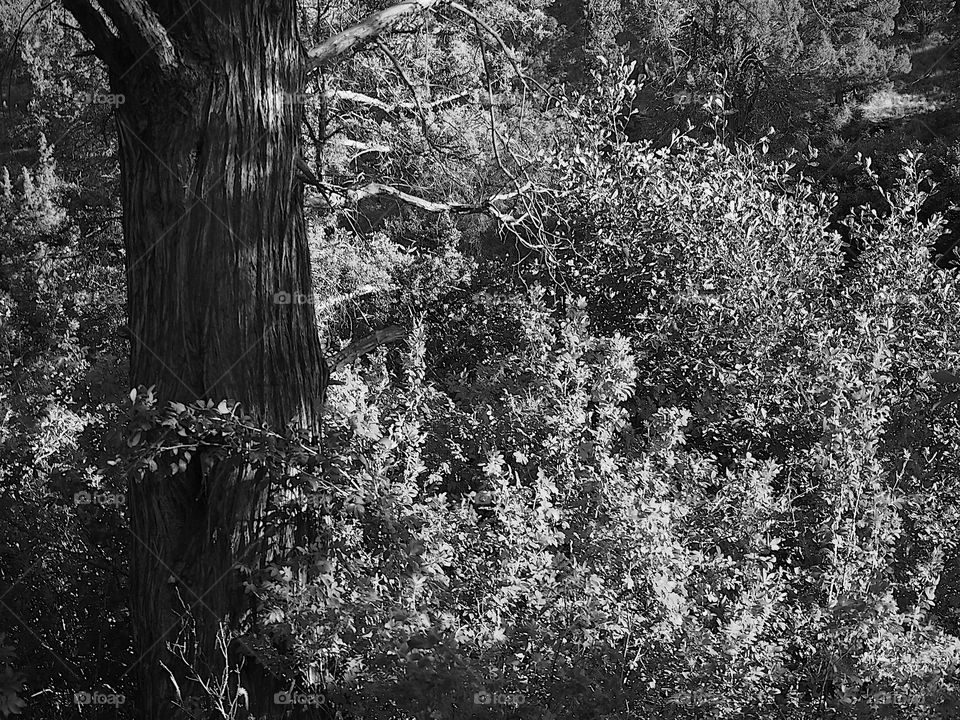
<point x="133" y="395"/>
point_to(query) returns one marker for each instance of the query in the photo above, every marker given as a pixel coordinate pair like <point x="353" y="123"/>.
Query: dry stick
<point x="309" y="176"/>
<point x="365" y="31"/>
<point x="494" y="129"/>
<point x="359" y="98"/>
<point x="421" y="114"/>
<point x="369" y="30"/>
<point x="413" y="91"/>
<point x="496" y="138"/>
<point x="364" y="345"/>
<point x="362" y="148"/>
<point x="487" y="207"/>
<point x="494" y="132"/>
<point x="495" y="35"/>
<point x="363" y="99"/>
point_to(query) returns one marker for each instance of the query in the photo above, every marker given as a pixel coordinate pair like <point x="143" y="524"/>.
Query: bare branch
<point x="421" y="115"/>
<point x="95" y="29"/>
<point x="364" y="345"/>
<point x="362" y="147"/>
<point x="356" y="36"/>
<point x="362" y="99"/>
<point x="442" y="102"/>
<point x="141" y="31"/>
<point x="487" y="207"/>
<point x="494" y="130"/>
<point x="359" y="98"/>
<point x="307" y="173"/>
<point x="496" y="37"/>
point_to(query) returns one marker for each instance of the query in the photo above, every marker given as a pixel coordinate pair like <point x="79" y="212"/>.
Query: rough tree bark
<point x="213" y="225"/>
<point x="209" y="138"/>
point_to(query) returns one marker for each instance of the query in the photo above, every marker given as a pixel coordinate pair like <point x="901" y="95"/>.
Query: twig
<point x="413" y="91"/>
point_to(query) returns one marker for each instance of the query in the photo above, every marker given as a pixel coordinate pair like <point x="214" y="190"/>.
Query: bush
<point x="720" y="483"/>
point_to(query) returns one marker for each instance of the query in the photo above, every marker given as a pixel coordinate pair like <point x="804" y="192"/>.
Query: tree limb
<point x="358" y="35"/>
<point x="421" y="114"/>
<point x="142" y="32"/>
<point x="364" y="345"/>
<point x="95" y="29"/>
<point x="362" y="148"/>
<point x="487" y="207"/>
<point x="504" y="48"/>
<point x="307" y="172"/>
<point x="359" y="98"/>
<point x="362" y="99"/>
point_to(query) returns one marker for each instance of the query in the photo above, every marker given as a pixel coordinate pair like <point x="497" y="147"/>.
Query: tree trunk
<point x="209" y="133"/>
<point x="214" y="229"/>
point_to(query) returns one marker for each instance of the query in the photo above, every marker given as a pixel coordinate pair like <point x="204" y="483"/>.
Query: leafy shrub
<point x="717" y="484"/>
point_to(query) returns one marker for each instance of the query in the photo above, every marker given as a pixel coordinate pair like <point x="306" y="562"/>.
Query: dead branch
<point x="421" y="114"/>
<point x="340" y="298"/>
<point x="487" y="207"/>
<point x="306" y="172"/>
<point x="389" y="108"/>
<point x="504" y="48"/>
<point x="358" y="98"/>
<point x="364" y="345"/>
<point x="363" y="32"/>
<point x="362" y="147"/>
